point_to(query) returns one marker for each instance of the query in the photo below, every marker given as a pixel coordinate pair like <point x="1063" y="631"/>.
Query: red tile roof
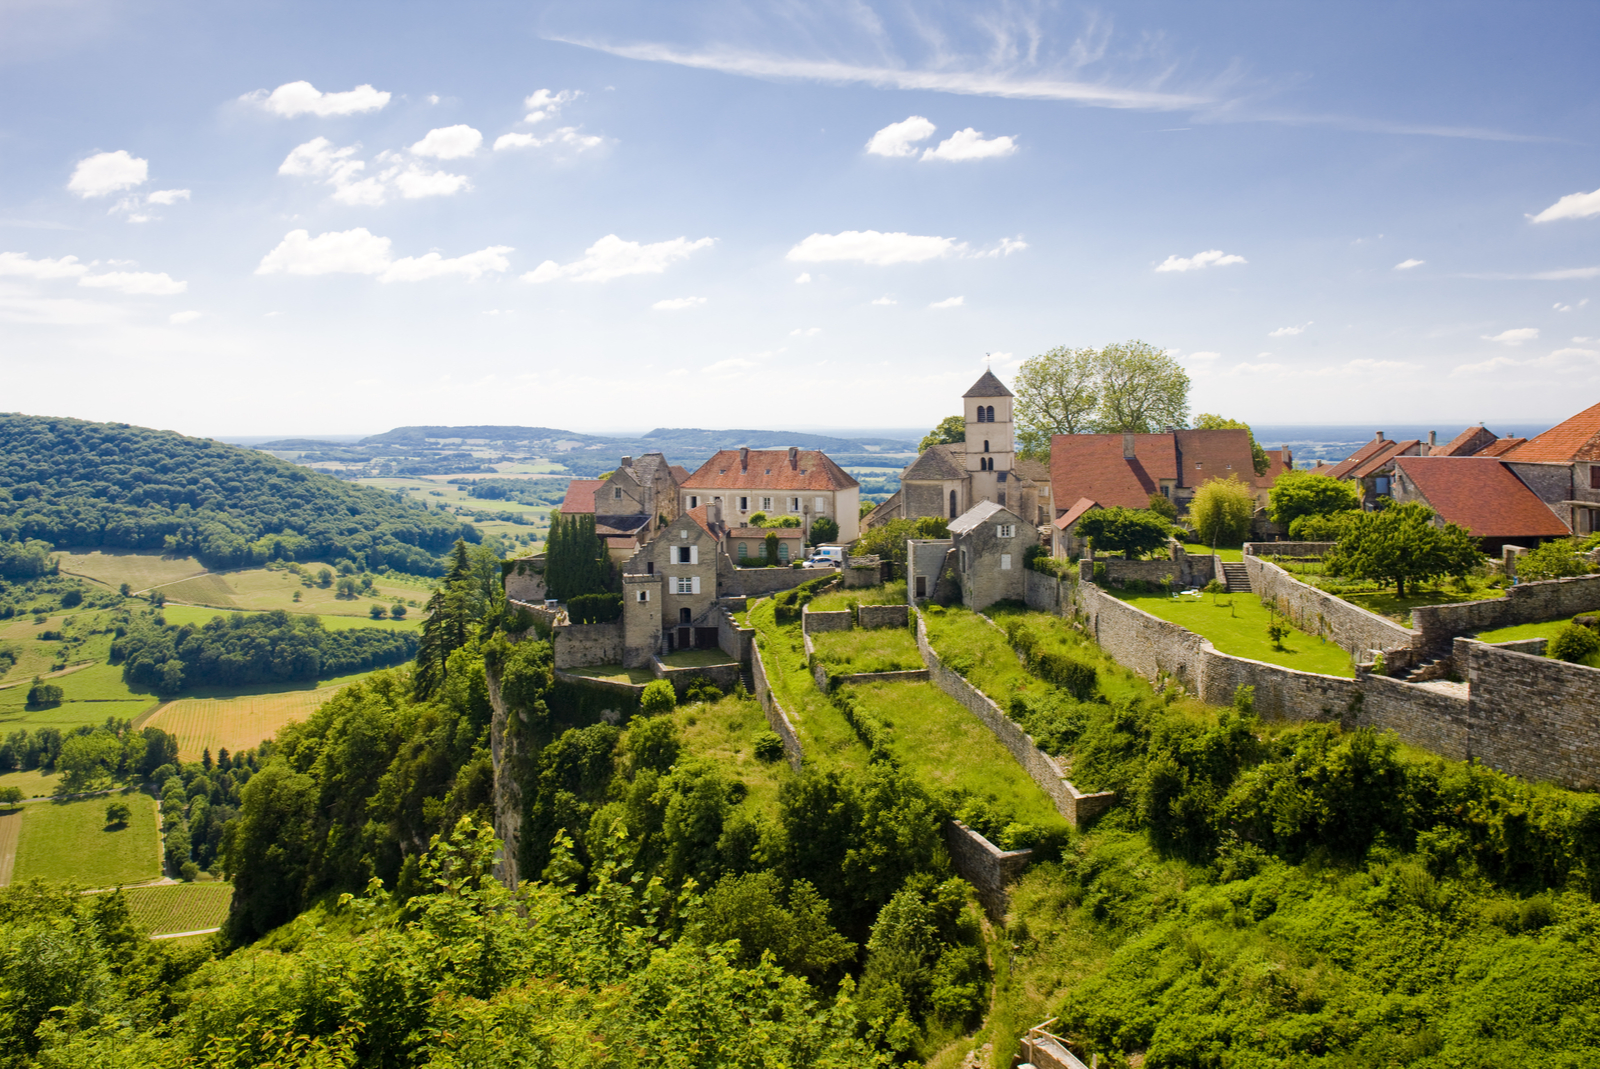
<point x="1216" y="454"/>
<point x="1575" y="439"/>
<point x="580" y="496"/>
<point x="1469" y="443"/>
<point x="679" y="472"/>
<point x="1482" y="495"/>
<point x="1092" y="466"/>
<point x="1278" y="461"/>
<point x="762" y="532"/>
<point x="1383" y="457"/>
<point x="1342" y="469"/>
<point x="1500" y="447"/>
<point x="1070" y="517"/>
<point x="698" y="515"/>
<point x="812" y="471"/>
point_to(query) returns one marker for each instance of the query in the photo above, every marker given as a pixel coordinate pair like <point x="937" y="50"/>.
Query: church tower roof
<point x="988" y="386"/>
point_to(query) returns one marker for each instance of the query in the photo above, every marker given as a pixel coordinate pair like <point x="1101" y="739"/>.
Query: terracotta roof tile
<point x="1384" y="456"/>
<point x="1482" y="495"/>
<point x="1070" y="517"/>
<point x="580" y="496"/>
<point x="1276" y="466"/>
<point x="1092" y="465"/>
<point x="812" y="471"/>
<point x="1468" y="443"/>
<point x="1500" y="447"/>
<point x="698" y="515"/>
<point x="680" y="473"/>
<point x="1575" y="439"/>
<point x="1215" y="455"/>
<point x="1342" y="469"/>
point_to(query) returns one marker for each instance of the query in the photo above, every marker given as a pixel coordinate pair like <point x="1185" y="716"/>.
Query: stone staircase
<point x="1236" y="577"/>
<point x="747" y="675"/>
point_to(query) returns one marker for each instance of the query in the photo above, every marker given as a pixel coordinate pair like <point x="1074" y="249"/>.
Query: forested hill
<point x="79" y="484"/>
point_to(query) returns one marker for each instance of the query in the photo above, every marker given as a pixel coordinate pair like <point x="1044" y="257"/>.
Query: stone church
<point x="948" y="480"/>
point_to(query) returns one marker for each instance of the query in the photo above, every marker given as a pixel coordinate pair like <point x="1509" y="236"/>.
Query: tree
<point x="10" y="795"/>
<point x="950" y="430"/>
<point x="377" y="612"/>
<point x="1306" y="493"/>
<point x="1133" y="532"/>
<point x="1162" y="506"/>
<point x="576" y="560"/>
<point x="1207" y="421"/>
<point x="770" y="549"/>
<point x="118" y="814"/>
<point x="447" y="627"/>
<point x="888" y="541"/>
<point x="1555" y="559"/>
<point x="823" y="529"/>
<point x="1142" y="390"/>
<point x="398" y="611"/>
<point x="1220" y="511"/>
<point x="1057" y="392"/>
<point x="658" y="697"/>
<point x="325" y="577"/>
<point x="1574" y="643"/>
<point x="1402" y="543"/>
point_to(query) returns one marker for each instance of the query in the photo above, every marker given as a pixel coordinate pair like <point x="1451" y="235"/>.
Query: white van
<point x="826" y="556"/>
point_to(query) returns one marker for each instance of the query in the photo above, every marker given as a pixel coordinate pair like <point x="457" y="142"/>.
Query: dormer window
<point x="769" y="471"/>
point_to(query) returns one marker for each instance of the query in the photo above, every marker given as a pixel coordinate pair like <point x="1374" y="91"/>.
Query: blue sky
<point x="301" y="218"/>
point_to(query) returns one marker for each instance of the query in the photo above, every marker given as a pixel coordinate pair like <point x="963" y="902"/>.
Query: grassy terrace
<point x="1381" y="600"/>
<point x="696" y="659"/>
<point x="883" y="649"/>
<point x="828" y="739"/>
<point x="614" y="673"/>
<point x="1235" y="554"/>
<point x="725" y="731"/>
<point x="888" y="594"/>
<point x="1237" y="624"/>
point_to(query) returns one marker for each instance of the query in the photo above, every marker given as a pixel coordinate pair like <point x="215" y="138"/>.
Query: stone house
<point x="948" y="480"/>
<point x="1481" y="494"/>
<point x="1372" y="466"/>
<point x="671" y="585"/>
<point x="990" y="542"/>
<point x="747" y="544"/>
<point x="802" y="483"/>
<point x="1562" y="466"/>
<point x="631" y="504"/>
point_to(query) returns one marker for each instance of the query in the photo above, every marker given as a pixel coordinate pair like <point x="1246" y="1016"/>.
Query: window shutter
<point x="694" y="554"/>
<point x="694" y="585"/>
<point x="1005" y="562"/>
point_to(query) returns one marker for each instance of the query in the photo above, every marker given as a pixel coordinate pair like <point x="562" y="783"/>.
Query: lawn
<point x="180" y="907"/>
<point x="89" y="696"/>
<point x="1235" y="554"/>
<point x="1237" y="624"/>
<point x="825" y="735"/>
<point x="1375" y="597"/>
<point x="614" y="673"/>
<point x="696" y="659"/>
<point x="947" y="748"/>
<point x="837" y="600"/>
<point x="32" y="782"/>
<point x="726" y="732"/>
<point x="70" y="841"/>
<point x="239" y="718"/>
<point x="883" y="649"/>
<point x="1546" y="630"/>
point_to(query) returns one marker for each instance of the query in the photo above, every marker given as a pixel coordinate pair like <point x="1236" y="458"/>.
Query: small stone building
<point x="990" y="542"/>
<point x="631" y="504"/>
<point x="747" y="544"/>
<point x="676" y="575"/>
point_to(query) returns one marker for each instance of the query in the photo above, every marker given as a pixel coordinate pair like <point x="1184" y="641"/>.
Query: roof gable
<point x="936" y="464"/>
<point x="1092" y="466"/>
<point x="1214" y="454"/>
<point x="979" y="514"/>
<point x="580" y="496"/>
<point x="768" y="469"/>
<point x="1577" y="438"/>
<point x="1481" y="494"/>
<point x="1342" y="469"/>
<point x="988" y="386"/>
<point x="1468" y="443"/>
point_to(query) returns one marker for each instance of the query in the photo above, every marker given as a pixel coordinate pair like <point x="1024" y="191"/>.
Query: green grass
<point x="1546" y="630"/>
<point x="887" y="594"/>
<point x="615" y="673"/>
<point x="725" y="731"/>
<point x="696" y="659"/>
<point x="825" y="735"/>
<point x="70" y="841"/>
<point x="883" y="649"/>
<point x="89" y="696"/>
<point x="33" y="783"/>
<point x="180" y="907"/>
<point x="1235" y="554"/>
<point x="1374" y="597"/>
<point x="1237" y="624"/>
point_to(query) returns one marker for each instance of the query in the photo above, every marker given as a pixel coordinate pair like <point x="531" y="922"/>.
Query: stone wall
<point x="813" y="623"/>
<point x="777" y="716"/>
<point x="1532" y="716"/>
<point x="1043" y="592"/>
<point x="1525" y="603"/>
<point x="735" y="641"/>
<point x="1289" y="549"/>
<point x="861" y="571"/>
<point x="503" y="753"/>
<point x="725" y="676"/>
<point x="875" y="616"/>
<point x="990" y="870"/>
<point x="536" y="609"/>
<point x="759" y="582"/>
<point x="1186" y="571"/>
<point x="581" y="645"/>
<point x="928" y="558"/>
<point x="1316" y="612"/>
<point x="524" y="579"/>
<point x="1077" y="808"/>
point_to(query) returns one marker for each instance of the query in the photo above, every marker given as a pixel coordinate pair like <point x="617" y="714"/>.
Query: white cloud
<point x="167" y="196"/>
<point x="433" y="98"/>
<point x="56" y="311"/>
<point x="414" y="183"/>
<point x="805" y="332"/>
<point x="1289" y="332"/>
<point x="969" y="144"/>
<point x="1006" y="247"/>
<point x="802" y="278"/>
<point x="107" y="172"/>
<point x="178" y="319"/>
<point x="1560" y="353"/>
<point x="1255" y="369"/>
<point x="1406" y="265"/>
<point x="1204" y="356"/>
<point x="949" y="302"/>
<point x="319" y="159"/>
<point x="676" y="304"/>
<point x="1209" y="258"/>
<point x="17" y="263"/>
<point x="1571" y="206"/>
<point x="360" y="252"/>
<point x="886" y="300"/>
<point x="898" y="138"/>
<point x="1555" y="359"/>
<point x="546" y="105"/>
<point x="139" y="283"/>
<point x="1559" y="307"/>
<point x="871" y="247"/>
<point x="611" y="257"/>
<point x="733" y="363"/>
<point x="449" y="142"/>
<point x="1514" y="337"/>
<point x="567" y="136"/>
<point x="303" y="98"/>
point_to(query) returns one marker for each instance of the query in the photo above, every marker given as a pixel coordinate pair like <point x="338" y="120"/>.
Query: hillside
<point x="74" y="483"/>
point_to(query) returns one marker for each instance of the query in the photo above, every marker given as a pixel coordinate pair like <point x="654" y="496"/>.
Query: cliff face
<point x="504" y="747"/>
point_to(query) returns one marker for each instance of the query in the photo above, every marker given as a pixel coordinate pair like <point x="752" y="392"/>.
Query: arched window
<point x="986" y="445"/>
<point x="953" y="512"/>
<point x="988" y="413"/>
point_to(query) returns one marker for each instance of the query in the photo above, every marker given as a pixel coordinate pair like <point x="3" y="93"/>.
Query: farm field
<point x="10" y="827"/>
<point x="261" y="589"/>
<point x="178" y="615"/>
<point x="39" y="656"/>
<point x="437" y="490"/>
<point x="31" y="782"/>
<point x="238" y="720"/>
<point x="69" y="841"/>
<point x="141" y="571"/>
<point x="179" y="907"/>
<point x="89" y="696"/>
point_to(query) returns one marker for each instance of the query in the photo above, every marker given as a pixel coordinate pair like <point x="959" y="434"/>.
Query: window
<point x="1001" y="496"/>
<point x="1005" y="562"/>
<point x="953" y="512"/>
<point x="783" y="549"/>
<point x="744" y="504"/>
<point x="766" y="504"/>
<point x="1006" y="530"/>
<point x="986" y="445"/>
<point x="821" y="505"/>
<point x="649" y="567"/>
<point x="794" y="504"/>
<point x="688" y="584"/>
<point x="769" y="471"/>
<point x="644" y="595"/>
<point x="1594" y="476"/>
<point x="688" y="554"/>
<point x="683" y="617"/>
<point x="1198" y="466"/>
<point x="963" y="560"/>
<point x="694" y="502"/>
<point x="616" y="493"/>
<point x="744" y="550"/>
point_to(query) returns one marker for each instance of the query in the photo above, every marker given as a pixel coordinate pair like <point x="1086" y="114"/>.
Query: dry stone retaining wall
<point x="1319" y="613"/>
<point x="1533" y="716"/>
<point x="759" y="582"/>
<point x="989" y="869"/>
<point x="875" y="616"/>
<point x="579" y="645"/>
<point x="1525" y="603"/>
<point x="812" y="623"/>
<point x="777" y="716"/>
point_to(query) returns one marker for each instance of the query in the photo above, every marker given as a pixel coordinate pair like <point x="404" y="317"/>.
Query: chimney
<point x="1433" y="440"/>
<point x="1127" y="447"/>
<point x="1378" y="436"/>
<point x="794" y="457"/>
<point x="714" y="512"/>
<point x="627" y="462"/>
<point x="744" y="457"/>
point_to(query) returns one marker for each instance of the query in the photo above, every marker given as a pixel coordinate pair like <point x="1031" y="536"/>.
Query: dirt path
<point x="10" y="830"/>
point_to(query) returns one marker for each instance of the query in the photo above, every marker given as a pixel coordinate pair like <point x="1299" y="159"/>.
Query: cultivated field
<point x="238" y="722"/>
<point x="141" y="571"/>
<point x="274" y="588"/>
<point x="69" y="841"/>
<point x="179" y="907"/>
<point x="10" y="827"/>
<point x="32" y="783"/>
<point x="89" y="694"/>
<point x="178" y="615"/>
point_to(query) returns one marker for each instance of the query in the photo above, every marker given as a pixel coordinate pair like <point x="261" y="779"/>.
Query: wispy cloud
<point x="678" y="304"/>
<point x="805" y="332"/>
<point x="361" y="252"/>
<point x="1406" y="265"/>
<point x="1209" y="258"/>
<point x="1571" y="206"/>
<point x="1289" y="332"/>
<point x="885" y="300"/>
<point x="611" y="257"/>
<point x="949" y="302"/>
<point x="1556" y="358"/>
<point x="802" y="278"/>
<point x="1515" y="336"/>
<point x="872" y="247"/>
<point x="1564" y="274"/>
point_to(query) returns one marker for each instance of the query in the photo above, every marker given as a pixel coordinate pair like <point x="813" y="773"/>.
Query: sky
<point x="239" y="218"/>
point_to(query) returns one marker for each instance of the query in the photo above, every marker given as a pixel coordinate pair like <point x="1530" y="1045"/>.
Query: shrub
<point x="1071" y="675"/>
<point x="10" y="795"/>
<point x="118" y="814"/>
<point x="769" y="747"/>
<point x="1552" y="560"/>
<point x="658" y="697"/>
<point x="72" y="599"/>
<point x="378" y="612"/>
<point x="594" y="608"/>
<point x="1221" y="511"/>
<point x="44" y="695"/>
<point x="188" y="870"/>
<point x="398" y="611"/>
<point x="1574" y="643"/>
<point x="823" y="529"/>
<point x="703" y="690"/>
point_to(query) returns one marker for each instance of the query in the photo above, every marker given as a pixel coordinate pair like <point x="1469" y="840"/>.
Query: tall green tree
<point x="1403" y="544"/>
<point x="951" y="429"/>
<point x="1306" y="493"/>
<point x="576" y="559"/>
<point x="1056" y="393"/>
<point x="448" y="624"/>
<point x="1132" y="532"/>
<point x="1210" y="421"/>
<point x="1221" y="511"/>
<point x="1142" y="390"/>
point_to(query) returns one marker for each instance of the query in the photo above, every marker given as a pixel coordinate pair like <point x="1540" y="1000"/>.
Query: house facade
<point x="670" y="586"/>
<point x="802" y="483"/>
<point x="1562" y="466"/>
<point x="1482" y="494"/>
<point x="629" y="505"/>
<point x="990" y="543"/>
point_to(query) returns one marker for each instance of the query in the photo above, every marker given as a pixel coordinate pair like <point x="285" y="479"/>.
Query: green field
<point x="69" y="841"/>
<point x="33" y="783"/>
<point x="1237" y="624"/>
<point x="887" y="594"/>
<point x="89" y="696"/>
<point x="825" y="735"/>
<point x="178" y="615"/>
<point x="239" y="718"/>
<point x="180" y="907"/>
<point x="140" y="571"/>
<point x="1234" y="555"/>
<point x="726" y="732"/>
<point x="882" y="649"/>
<point x="696" y="659"/>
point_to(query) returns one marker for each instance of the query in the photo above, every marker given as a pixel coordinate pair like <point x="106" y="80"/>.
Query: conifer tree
<point x="448" y="624"/>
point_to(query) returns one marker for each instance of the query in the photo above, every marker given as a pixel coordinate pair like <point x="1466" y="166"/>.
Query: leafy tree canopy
<point x="1306" y="493"/>
<point x="1555" y="559"/>
<point x="888" y="541"/>
<point x="1124" y="387"/>
<point x="1132" y="532"/>
<point x="950" y="430"/>
<point x="1403" y="543"/>
<point x="1221" y="509"/>
<point x="1208" y="421"/>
